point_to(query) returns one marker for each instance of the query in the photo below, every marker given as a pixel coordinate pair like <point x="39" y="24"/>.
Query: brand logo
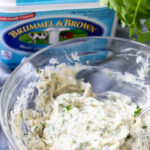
<point x="37" y="34"/>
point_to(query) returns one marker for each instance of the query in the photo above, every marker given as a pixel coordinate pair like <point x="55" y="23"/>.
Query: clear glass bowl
<point x="116" y="64"/>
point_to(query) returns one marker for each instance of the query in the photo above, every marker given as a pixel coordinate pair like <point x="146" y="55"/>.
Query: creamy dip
<point x="68" y="116"/>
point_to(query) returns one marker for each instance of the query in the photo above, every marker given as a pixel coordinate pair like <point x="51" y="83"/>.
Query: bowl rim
<point x="5" y="87"/>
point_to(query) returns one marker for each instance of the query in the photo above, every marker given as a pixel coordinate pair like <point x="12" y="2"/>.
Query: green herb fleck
<point x="43" y="126"/>
<point x="68" y="107"/>
<point x="41" y="136"/>
<point x="144" y="127"/>
<point x="63" y="121"/>
<point x="113" y="98"/>
<point x="64" y="99"/>
<point x="134" y="121"/>
<point x="129" y="136"/>
<point x="87" y="128"/>
<point x="25" y="133"/>
<point x="38" y="70"/>
<point x="61" y="105"/>
<point x="81" y="146"/>
<point x="138" y="111"/>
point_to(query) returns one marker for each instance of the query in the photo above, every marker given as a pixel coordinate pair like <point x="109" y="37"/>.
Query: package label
<point x="25" y="33"/>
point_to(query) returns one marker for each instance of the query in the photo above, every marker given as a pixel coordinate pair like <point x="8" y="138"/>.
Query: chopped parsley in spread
<point x="68" y="107"/>
<point x="38" y="70"/>
<point x="138" y="111"/>
<point x="69" y="117"/>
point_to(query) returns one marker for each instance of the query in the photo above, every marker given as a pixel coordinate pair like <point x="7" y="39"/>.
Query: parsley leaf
<point x="131" y="12"/>
<point x="25" y="133"/>
<point x="38" y="70"/>
<point x="137" y="112"/>
<point x="144" y="127"/>
<point x="129" y="136"/>
<point x="43" y="125"/>
<point x="68" y="107"/>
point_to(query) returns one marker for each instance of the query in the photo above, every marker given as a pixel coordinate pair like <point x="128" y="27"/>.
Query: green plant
<point x="135" y="14"/>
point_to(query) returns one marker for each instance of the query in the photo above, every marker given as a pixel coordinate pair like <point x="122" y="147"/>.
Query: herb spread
<point x="68" y="116"/>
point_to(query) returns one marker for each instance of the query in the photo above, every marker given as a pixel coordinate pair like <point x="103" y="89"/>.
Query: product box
<point x="29" y="25"/>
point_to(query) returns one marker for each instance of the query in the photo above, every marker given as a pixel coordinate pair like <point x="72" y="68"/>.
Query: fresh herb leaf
<point x="63" y="121"/>
<point x="138" y="111"/>
<point x="133" y="13"/>
<point x="43" y="125"/>
<point x="38" y="70"/>
<point x="25" y="133"/>
<point x="61" y="105"/>
<point x="144" y="127"/>
<point x="68" y="107"/>
<point x="129" y="136"/>
<point x="134" y="121"/>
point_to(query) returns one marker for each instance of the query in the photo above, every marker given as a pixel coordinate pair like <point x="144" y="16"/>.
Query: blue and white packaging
<point x="30" y="25"/>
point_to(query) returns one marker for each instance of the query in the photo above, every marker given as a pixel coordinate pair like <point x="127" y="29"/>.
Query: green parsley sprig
<point x="135" y="14"/>
<point x="38" y="70"/>
<point x="68" y="107"/>
<point x="138" y="111"/>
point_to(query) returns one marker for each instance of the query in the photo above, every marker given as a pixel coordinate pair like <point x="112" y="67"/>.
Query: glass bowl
<point x="116" y="64"/>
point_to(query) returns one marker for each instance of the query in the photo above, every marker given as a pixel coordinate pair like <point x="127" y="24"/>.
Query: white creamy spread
<point x="69" y="117"/>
